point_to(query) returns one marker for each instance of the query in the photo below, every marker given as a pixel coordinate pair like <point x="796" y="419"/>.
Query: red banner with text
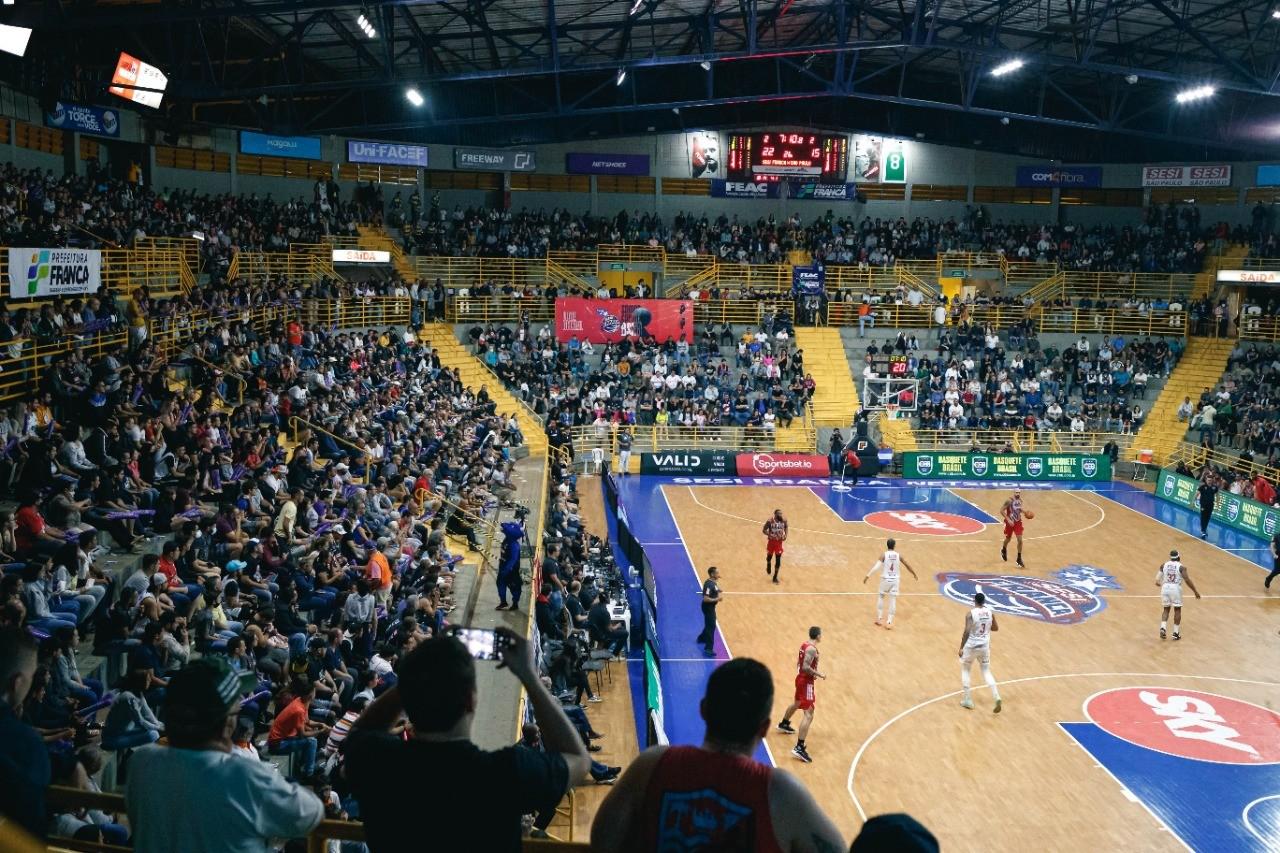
<point x="782" y="465"/>
<point x="610" y="320"/>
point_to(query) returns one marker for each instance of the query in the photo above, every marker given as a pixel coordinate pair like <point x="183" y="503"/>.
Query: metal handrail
<point x="243" y="383"/>
<point x="294" y="421"/>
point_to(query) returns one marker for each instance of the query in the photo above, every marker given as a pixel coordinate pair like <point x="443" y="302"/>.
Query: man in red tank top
<point x="716" y="797"/>
<point x="806" y="677"/>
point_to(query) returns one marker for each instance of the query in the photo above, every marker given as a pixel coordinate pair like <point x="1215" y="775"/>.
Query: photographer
<point x="437" y="691"/>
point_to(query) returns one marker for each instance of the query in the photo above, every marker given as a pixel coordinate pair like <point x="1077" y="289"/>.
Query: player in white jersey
<point x="1170" y="579"/>
<point x="975" y="644"/>
<point x="888" y="565"/>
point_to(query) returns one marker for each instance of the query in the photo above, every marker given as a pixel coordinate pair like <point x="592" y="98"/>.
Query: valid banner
<point x="53" y="272"/>
<point x="610" y="320"/>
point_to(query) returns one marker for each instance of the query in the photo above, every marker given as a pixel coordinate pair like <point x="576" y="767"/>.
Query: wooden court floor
<point x="889" y="734"/>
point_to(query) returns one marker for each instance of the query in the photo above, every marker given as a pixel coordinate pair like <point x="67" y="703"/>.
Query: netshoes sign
<point x="941" y="465"/>
<point x="1254" y="518"/>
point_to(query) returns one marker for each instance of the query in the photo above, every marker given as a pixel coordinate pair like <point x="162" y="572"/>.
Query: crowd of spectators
<point x="1168" y="239"/>
<point x="984" y="378"/>
<point x="1242" y="415"/>
<point x="39" y="208"/>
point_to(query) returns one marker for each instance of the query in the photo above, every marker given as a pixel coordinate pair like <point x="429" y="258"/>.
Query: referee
<point x="1207" y="494"/>
<point x="1275" y="560"/>
<point x="710" y="598"/>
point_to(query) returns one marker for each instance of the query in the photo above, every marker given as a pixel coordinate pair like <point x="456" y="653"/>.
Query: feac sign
<point x="741" y="188"/>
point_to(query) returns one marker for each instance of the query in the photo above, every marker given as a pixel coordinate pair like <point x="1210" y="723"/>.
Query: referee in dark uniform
<point x="710" y="598"/>
<point x="1275" y="560"/>
<point x="1206" y="495"/>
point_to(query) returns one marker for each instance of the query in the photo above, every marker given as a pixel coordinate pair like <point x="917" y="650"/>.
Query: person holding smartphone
<point x="488" y="792"/>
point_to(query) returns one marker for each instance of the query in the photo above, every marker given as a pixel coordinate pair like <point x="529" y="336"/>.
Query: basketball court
<point x="1110" y="738"/>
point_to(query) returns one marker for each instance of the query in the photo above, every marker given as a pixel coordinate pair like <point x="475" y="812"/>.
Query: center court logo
<point x="1067" y="597"/>
<point x="921" y="521"/>
<point x="1188" y="724"/>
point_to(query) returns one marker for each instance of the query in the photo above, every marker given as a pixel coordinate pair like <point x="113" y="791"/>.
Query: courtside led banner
<point x="782" y="465"/>
<point x="941" y="465"/>
<point x="688" y="462"/>
<point x="53" y="272"/>
<point x="1252" y="517"/>
<point x="360" y="256"/>
<point x="611" y="320"/>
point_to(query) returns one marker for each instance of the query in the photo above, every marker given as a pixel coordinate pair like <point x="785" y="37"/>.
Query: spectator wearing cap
<point x="229" y="805"/>
<point x="437" y="691"/>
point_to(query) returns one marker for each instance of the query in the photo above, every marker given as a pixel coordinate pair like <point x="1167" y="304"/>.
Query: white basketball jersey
<point x="1171" y="573"/>
<point x="889" y="565"/>
<point x="980" y="630"/>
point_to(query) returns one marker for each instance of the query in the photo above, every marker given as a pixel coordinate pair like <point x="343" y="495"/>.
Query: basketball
<point x="1029" y="514"/>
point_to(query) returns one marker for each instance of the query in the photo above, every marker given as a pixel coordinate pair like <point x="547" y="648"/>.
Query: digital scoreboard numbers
<point x="780" y="155"/>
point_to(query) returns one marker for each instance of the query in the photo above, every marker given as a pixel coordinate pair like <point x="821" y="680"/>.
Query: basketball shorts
<point x="774" y="546"/>
<point x="1014" y="529"/>
<point x="981" y="654"/>
<point x="804" y="693"/>
<point x="1171" y="595"/>
<point x="889" y="586"/>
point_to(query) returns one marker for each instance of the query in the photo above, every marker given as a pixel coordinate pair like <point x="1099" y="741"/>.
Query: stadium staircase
<point x="1201" y="365"/>
<point x="1232" y="258"/>
<point x="898" y="434"/>
<point x="375" y="239"/>
<point x="835" y="399"/>
<point x="475" y="373"/>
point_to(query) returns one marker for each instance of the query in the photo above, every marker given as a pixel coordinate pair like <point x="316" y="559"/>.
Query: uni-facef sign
<point x="386" y="153"/>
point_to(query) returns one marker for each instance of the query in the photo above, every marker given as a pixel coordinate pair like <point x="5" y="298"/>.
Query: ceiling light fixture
<point x="1199" y="93"/>
<point x="366" y="27"/>
<point x="414" y="97"/>
<point x="622" y="75"/>
<point x="706" y="66"/>
<point x="1006" y="68"/>
<point x="635" y="7"/>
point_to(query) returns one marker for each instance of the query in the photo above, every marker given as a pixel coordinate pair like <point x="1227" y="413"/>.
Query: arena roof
<point x="1098" y="82"/>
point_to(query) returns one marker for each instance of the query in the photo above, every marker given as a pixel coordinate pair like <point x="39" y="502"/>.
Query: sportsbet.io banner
<point x="1256" y="519"/>
<point x="53" y="272"/>
<point x="1005" y="466"/>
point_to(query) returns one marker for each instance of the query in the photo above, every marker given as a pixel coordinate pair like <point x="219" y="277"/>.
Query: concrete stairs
<point x="835" y="399"/>
<point x="1201" y="365"/>
<point x="898" y="434"/>
<point x="376" y="239"/>
<point x="475" y="373"/>
<point x="794" y="439"/>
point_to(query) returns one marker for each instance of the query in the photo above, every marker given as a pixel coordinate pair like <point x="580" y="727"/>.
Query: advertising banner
<point x="1048" y="175"/>
<point x="1269" y="175"/>
<point x="782" y="465"/>
<point x="689" y="462"/>
<point x="360" y="256"/>
<point x="866" y="159"/>
<point x="1249" y="516"/>
<point x="53" y="272"/>
<point x="942" y="465"/>
<point x="807" y="281"/>
<point x="823" y="192"/>
<point x="495" y="159"/>
<point x="611" y="320"/>
<point x="1203" y="175"/>
<point x="274" y="145"/>
<point x="82" y="118"/>
<point x="895" y="162"/>
<point x="138" y="82"/>
<point x="744" y="189"/>
<point x="386" y="153"/>
<point x="606" y="164"/>
<point x="704" y="153"/>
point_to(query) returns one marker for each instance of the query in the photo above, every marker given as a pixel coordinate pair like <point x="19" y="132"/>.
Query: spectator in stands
<point x="488" y="791"/>
<point x="748" y="804"/>
<point x="230" y="803"/>
<point x="24" y="761"/>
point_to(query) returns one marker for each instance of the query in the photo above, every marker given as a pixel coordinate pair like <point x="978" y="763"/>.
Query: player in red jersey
<point x="1012" y="513"/>
<point x="806" y="675"/>
<point x="775" y="529"/>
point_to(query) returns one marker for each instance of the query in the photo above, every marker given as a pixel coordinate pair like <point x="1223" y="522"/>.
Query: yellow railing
<point x="1020" y="441"/>
<point x="300" y="431"/>
<point x="1112" y="321"/>
<point x="736" y="311"/>
<point x="365" y="312"/>
<point x="23" y="363"/>
<point x="188" y="247"/>
<point x="164" y="272"/>
<point x="1050" y="288"/>
<point x="1026" y="272"/>
<point x="74" y="799"/>
<point x="631" y="253"/>
<point x="757" y="277"/>
<point x="295" y="266"/>
<point x="656" y="438"/>
<point x="697" y="280"/>
<point x="581" y="264"/>
<point x="497" y="309"/>
<point x="1258" y="328"/>
<point x="455" y="273"/>
<point x="1255" y="264"/>
<point x="1120" y="285"/>
<point x="234" y="380"/>
<point x="557" y="273"/>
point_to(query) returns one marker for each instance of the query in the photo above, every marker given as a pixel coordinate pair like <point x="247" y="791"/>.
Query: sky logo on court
<point x="1067" y="597"/>
<point x="1189" y="723"/>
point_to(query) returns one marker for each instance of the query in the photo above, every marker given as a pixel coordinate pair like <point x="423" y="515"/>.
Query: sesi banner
<point x="611" y="320"/>
<point x="1203" y="175"/>
<point x="782" y="465"/>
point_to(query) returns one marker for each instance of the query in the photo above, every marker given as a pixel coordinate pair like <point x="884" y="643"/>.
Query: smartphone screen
<point x="481" y="642"/>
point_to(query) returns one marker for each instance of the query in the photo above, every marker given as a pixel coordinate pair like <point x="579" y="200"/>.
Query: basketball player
<point x="806" y="675"/>
<point x="1011" y="512"/>
<point x="1170" y="579"/>
<point x="975" y="644"/>
<point x="888" y="565"/>
<point x="776" y="531"/>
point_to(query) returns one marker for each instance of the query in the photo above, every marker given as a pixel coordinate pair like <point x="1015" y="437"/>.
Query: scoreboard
<point x="781" y="155"/>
